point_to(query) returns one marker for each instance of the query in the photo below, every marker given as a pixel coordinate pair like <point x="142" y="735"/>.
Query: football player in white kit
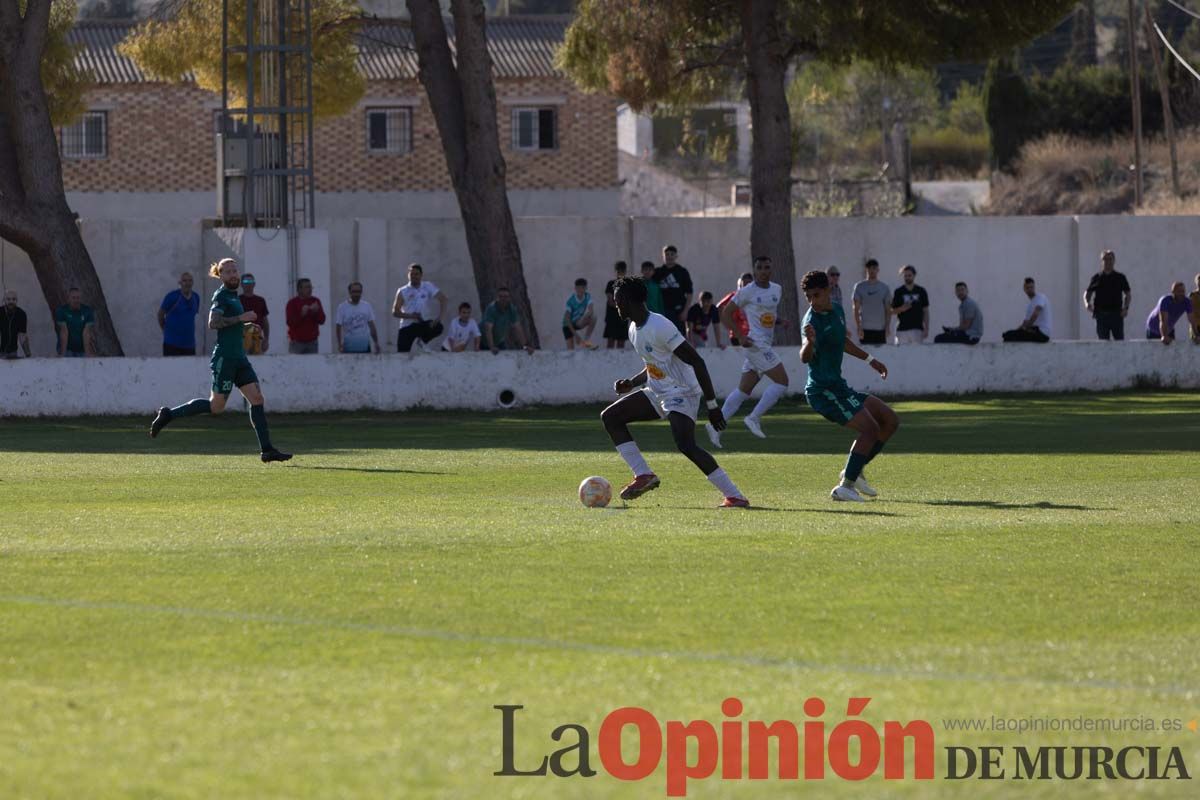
<point x="676" y="381"/>
<point x="759" y="301"/>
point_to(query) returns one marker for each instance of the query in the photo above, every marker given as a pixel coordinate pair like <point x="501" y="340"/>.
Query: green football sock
<point x="854" y="466"/>
<point x="258" y="418"/>
<point x="191" y="408"/>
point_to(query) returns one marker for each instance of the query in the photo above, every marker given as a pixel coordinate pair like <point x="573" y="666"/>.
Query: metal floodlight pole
<point x="251" y="51"/>
<point x="1135" y="91"/>
<point x="309" y="189"/>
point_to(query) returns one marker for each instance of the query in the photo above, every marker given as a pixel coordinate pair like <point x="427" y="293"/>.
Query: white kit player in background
<point x="677" y="381"/>
<point x="759" y="301"/>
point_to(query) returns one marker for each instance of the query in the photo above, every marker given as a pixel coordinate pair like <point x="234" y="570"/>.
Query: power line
<point x="1189" y="12"/>
<point x="1178" y="57"/>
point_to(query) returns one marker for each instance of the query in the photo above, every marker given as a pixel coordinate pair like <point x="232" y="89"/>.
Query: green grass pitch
<point x="179" y="620"/>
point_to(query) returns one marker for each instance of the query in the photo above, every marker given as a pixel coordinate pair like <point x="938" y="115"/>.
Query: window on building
<point x="535" y="128"/>
<point x="389" y="130"/>
<point x="87" y="138"/>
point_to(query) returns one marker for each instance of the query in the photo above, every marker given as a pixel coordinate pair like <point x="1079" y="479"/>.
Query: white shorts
<point x="685" y="403"/>
<point x="760" y="360"/>
<point x="909" y="337"/>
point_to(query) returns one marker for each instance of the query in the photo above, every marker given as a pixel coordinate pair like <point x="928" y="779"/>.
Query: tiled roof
<point x="521" y="46"/>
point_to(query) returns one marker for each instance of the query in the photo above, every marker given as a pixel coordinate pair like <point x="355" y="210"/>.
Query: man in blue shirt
<point x="1169" y="310"/>
<point x="579" y="318"/>
<point x="177" y="318"/>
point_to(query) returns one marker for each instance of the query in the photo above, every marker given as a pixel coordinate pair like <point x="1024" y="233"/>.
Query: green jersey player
<point x="825" y="341"/>
<point x="230" y="367"/>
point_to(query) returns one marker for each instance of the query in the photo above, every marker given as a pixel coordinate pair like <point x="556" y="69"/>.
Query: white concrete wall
<point x="394" y="382"/>
<point x="139" y="261"/>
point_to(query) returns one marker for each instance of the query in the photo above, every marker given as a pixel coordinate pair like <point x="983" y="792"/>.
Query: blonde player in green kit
<point x="825" y="341"/>
<point x="230" y="367"/>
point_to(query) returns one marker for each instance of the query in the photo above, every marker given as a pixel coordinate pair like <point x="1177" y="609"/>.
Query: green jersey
<point x="229" y="340"/>
<point x="825" y="369"/>
<point x="654" y="298"/>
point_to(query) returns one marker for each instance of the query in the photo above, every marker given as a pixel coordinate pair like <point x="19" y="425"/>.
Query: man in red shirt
<point x="305" y="316"/>
<point x="743" y="327"/>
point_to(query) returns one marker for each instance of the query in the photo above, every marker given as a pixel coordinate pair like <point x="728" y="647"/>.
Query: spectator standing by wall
<point x="411" y="307"/>
<point x="1167" y="312"/>
<point x="305" y="315"/>
<point x="354" y="323"/>
<point x="255" y="345"/>
<point x="676" y="285"/>
<point x="1195" y="320"/>
<point x="177" y="318"/>
<point x="700" y="318"/>
<point x="910" y="305"/>
<point x="463" y="333"/>
<point x="654" y="296"/>
<point x="835" y="289"/>
<point x="872" y="306"/>
<point x="1038" y="325"/>
<point x="502" y="329"/>
<point x="970" y="320"/>
<point x="616" y="333"/>
<point x="14" y="327"/>
<point x="579" y="317"/>
<point x="76" y="325"/>
<point x="1107" y="298"/>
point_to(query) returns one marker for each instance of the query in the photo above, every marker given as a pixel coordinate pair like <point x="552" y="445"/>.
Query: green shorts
<point x="837" y="404"/>
<point x="231" y="372"/>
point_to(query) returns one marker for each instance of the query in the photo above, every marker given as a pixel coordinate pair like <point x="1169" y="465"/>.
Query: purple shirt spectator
<point x="1175" y="308"/>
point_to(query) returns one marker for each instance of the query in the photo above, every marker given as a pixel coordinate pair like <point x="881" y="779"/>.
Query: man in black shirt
<point x="1107" y="297"/>
<point x="910" y="307"/>
<point x="676" y="285"/>
<point x="13" y="327"/>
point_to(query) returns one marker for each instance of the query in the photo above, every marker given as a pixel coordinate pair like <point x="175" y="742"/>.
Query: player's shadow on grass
<point x="382" y="470"/>
<point x="859" y="512"/>
<point x="1000" y="506"/>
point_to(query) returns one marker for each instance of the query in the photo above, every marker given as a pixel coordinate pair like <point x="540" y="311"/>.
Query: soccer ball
<point x="595" y="492"/>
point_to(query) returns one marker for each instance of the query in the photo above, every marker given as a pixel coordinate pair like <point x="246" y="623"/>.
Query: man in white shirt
<point x="463" y="334"/>
<point x="676" y="381"/>
<point x="354" y="323"/>
<point x="759" y="301"/>
<point x="1038" y="325"/>
<point x="411" y="307"/>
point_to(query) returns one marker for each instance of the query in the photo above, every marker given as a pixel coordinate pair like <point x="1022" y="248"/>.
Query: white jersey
<point x="416" y="300"/>
<point x="458" y="333"/>
<point x="760" y="307"/>
<point x="655" y="342"/>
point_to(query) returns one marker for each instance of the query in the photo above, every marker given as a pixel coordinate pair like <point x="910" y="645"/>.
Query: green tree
<point x="41" y="87"/>
<point x="680" y="52"/>
<point x="1010" y="111"/>
<point x="190" y="42"/>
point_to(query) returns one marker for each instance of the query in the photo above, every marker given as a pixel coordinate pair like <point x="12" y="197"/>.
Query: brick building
<point x="146" y="148"/>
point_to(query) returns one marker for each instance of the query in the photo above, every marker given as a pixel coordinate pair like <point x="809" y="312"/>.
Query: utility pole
<point x="1165" y="93"/>
<point x="1135" y="92"/>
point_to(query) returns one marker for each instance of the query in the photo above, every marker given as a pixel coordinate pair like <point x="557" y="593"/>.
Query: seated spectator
<point x="970" y="321"/>
<point x="305" y="316"/>
<point x="76" y="325"/>
<point x="13" y="327"/>
<point x="502" y="328"/>
<point x="654" y="297"/>
<point x="354" y="323"/>
<point x="177" y="318"/>
<point x="616" y="330"/>
<point x="700" y="317"/>
<point x="463" y="334"/>
<point x="257" y="336"/>
<point x="579" y="316"/>
<point x="1169" y="310"/>
<point x="1037" y="326"/>
<point x="741" y="324"/>
<point x="411" y="307"/>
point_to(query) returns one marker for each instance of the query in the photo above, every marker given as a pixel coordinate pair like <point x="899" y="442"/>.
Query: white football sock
<point x="724" y="485"/>
<point x="770" y="397"/>
<point x="633" y="457"/>
<point x="733" y="402"/>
